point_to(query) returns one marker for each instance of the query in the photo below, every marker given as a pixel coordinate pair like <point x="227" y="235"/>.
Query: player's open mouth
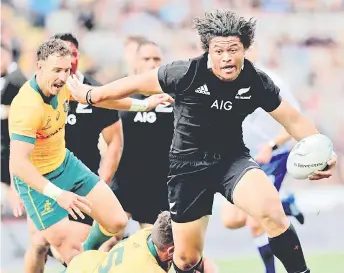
<point x="228" y="68"/>
<point x="58" y="85"/>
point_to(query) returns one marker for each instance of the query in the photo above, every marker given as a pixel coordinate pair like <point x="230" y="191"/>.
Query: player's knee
<point x="235" y="222"/>
<point x="186" y="261"/>
<point x="273" y="218"/>
<point x="255" y="227"/>
<point x="116" y="224"/>
<point x="39" y="244"/>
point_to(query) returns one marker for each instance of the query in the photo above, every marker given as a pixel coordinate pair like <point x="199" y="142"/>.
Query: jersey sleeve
<point x="269" y="96"/>
<point x="24" y="122"/>
<point x="108" y="116"/>
<point x="176" y="77"/>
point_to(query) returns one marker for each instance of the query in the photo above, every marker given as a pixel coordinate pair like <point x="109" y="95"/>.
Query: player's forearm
<point x="126" y="104"/>
<point x="300" y="127"/>
<point x="110" y="161"/>
<point x="146" y="83"/>
<point x="27" y="172"/>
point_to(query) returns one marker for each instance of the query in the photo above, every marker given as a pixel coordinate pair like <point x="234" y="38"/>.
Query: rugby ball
<point x="309" y="155"/>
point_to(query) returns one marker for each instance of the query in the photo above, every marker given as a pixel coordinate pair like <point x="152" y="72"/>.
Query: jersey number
<point x="118" y="260"/>
<point x="164" y="108"/>
<point x="83" y="109"/>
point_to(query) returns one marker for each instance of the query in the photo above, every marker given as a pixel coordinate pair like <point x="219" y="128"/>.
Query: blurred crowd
<point x="301" y="40"/>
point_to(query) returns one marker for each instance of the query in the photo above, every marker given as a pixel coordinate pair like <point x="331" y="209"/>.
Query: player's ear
<point x="170" y="251"/>
<point x="39" y="65"/>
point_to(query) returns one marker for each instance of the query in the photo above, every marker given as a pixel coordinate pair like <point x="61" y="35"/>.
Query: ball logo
<point x="299" y="165"/>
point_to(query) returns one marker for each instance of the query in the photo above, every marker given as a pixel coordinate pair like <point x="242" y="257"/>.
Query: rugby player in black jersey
<point x="213" y="95"/>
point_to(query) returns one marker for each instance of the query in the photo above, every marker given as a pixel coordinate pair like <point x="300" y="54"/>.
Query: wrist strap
<point x="52" y="191"/>
<point x="89" y="97"/>
<point x="138" y="105"/>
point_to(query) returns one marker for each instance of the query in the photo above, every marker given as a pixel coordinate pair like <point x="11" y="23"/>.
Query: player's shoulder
<point x="264" y="77"/>
<point x="27" y="96"/>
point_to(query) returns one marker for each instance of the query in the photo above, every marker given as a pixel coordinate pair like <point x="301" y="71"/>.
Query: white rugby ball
<point x="309" y="155"/>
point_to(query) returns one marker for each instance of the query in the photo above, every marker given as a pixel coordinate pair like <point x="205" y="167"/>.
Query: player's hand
<point x="155" y="100"/>
<point x="264" y="155"/>
<point x="15" y="202"/>
<point x="77" y="89"/>
<point x="327" y="173"/>
<point x="74" y="204"/>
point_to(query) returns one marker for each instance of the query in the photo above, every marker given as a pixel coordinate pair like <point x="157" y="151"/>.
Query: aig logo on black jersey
<point x="151" y="117"/>
<point x="222" y="105"/>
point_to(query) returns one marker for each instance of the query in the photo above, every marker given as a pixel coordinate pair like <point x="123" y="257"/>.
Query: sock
<point x="262" y="243"/>
<point x="198" y="268"/>
<point x="287" y="248"/>
<point x="98" y="235"/>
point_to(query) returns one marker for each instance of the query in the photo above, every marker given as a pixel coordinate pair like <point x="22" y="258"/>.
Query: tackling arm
<point x="145" y="83"/>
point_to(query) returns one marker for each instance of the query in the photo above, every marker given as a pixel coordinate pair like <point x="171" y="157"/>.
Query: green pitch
<point x="318" y="263"/>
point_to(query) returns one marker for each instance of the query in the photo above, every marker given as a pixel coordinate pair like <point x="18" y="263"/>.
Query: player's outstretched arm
<point x="145" y="83"/>
<point x="135" y="105"/>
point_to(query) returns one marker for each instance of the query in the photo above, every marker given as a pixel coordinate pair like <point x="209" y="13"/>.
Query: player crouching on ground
<point x="149" y="250"/>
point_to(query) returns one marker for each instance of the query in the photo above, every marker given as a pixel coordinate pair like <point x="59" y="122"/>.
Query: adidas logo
<point x="203" y="90"/>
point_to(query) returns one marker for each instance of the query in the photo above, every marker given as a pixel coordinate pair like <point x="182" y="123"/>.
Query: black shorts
<point x="142" y="195"/>
<point x="88" y="219"/>
<point x="193" y="183"/>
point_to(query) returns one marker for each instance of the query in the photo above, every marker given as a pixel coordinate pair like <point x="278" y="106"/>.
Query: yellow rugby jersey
<point x="40" y="120"/>
<point x="136" y="254"/>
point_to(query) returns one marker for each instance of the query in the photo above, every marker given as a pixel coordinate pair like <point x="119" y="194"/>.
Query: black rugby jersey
<point x="209" y="112"/>
<point x="147" y="141"/>
<point x="84" y="124"/>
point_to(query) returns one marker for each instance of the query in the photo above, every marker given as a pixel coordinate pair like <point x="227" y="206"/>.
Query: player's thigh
<point x="80" y="230"/>
<point x="105" y="209"/>
<point x="37" y="240"/>
<point x="231" y="216"/>
<point x="189" y="238"/>
<point x="60" y="235"/>
<point x="190" y="196"/>
<point x="258" y="197"/>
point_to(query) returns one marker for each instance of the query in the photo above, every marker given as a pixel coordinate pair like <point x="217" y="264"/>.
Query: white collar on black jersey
<point x="80" y="76"/>
<point x="209" y="65"/>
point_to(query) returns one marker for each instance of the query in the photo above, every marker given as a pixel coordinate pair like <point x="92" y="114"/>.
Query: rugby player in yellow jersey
<point x="51" y="181"/>
<point x="149" y="250"/>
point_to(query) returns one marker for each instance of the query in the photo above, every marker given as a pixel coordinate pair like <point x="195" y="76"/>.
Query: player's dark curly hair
<point x="224" y="23"/>
<point x="53" y="47"/>
<point x="162" y="231"/>
<point x="67" y="37"/>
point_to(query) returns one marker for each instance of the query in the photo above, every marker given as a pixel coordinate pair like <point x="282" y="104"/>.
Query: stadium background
<point x="301" y="40"/>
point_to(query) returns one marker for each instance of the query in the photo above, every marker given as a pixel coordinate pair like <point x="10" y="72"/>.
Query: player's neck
<point x="40" y="86"/>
